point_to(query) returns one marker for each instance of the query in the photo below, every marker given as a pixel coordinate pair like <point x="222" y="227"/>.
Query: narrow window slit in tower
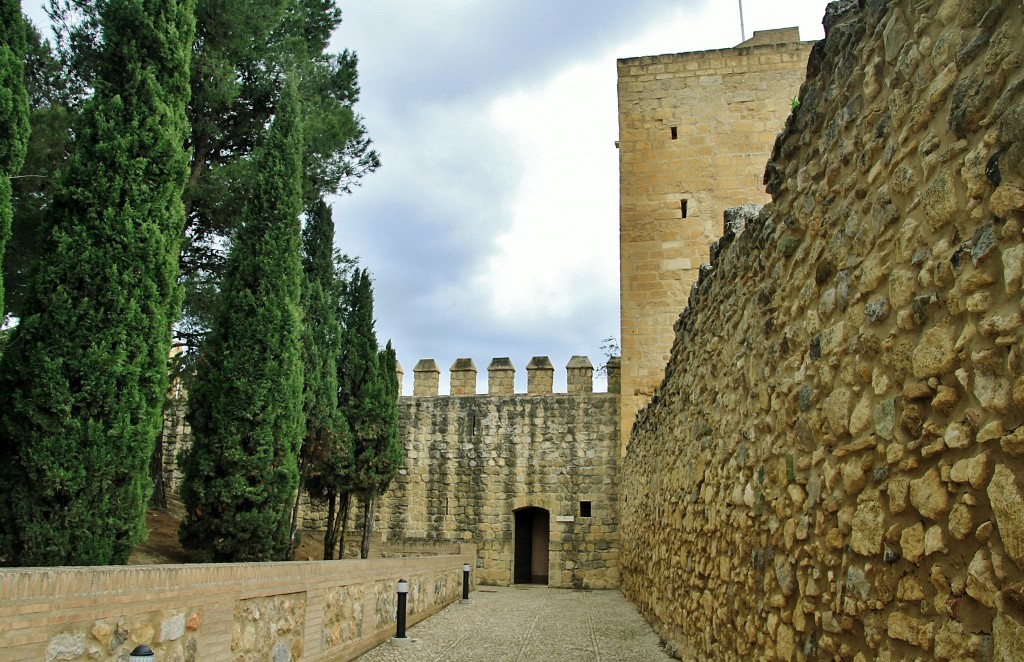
<point x="446" y="506"/>
<point x="584" y="509"/>
<point x="675" y="132"/>
<point x="682" y="206"/>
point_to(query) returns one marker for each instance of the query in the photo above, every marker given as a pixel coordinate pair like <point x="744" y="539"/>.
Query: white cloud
<point x="561" y="250"/>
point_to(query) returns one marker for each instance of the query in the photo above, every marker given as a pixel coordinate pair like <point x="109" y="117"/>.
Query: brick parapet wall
<point x="327" y="610"/>
<point x="833" y="465"/>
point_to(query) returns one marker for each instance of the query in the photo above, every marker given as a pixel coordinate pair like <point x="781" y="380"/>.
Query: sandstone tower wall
<point x="695" y="130"/>
<point x="833" y="466"/>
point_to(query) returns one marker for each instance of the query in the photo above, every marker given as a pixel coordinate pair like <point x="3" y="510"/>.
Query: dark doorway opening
<point x="530" y="564"/>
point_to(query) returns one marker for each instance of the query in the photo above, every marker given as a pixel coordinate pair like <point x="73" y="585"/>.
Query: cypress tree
<point x="326" y="438"/>
<point x="247" y="402"/>
<point x="83" y="379"/>
<point x="387" y="447"/>
<point x="14" y="127"/>
<point x="363" y="396"/>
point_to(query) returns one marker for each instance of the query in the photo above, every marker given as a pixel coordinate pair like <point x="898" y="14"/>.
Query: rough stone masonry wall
<point x="833" y="467"/>
<point x="470" y="462"/>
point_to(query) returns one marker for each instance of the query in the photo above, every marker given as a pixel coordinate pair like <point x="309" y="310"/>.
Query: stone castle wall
<point x="471" y="461"/>
<point x="695" y="130"/>
<point x="833" y="466"/>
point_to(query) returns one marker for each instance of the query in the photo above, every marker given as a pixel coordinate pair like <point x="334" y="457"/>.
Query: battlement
<point x="501" y="377"/>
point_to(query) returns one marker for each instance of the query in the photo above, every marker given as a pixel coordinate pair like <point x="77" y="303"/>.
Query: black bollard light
<point x="465" y="583"/>
<point x="403" y="593"/>
<point x="141" y="654"/>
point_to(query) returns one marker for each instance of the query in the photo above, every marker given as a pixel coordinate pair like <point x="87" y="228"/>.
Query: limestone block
<point x="981" y="579"/>
<point x="934" y="541"/>
<point x="935" y="353"/>
<point x="1008" y="626"/>
<point x="912" y="542"/>
<point x="957" y="435"/>
<point x="1013" y="268"/>
<point x="961" y="524"/>
<point x="66" y="646"/>
<point x="952" y="641"/>
<point x="929" y="495"/>
<point x="868" y="529"/>
<point x="172" y="627"/>
<point x="1008" y="507"/>
<point x="837" y="407"/>
<point x="1006" y="199"/>
<point x="911" y="630"/>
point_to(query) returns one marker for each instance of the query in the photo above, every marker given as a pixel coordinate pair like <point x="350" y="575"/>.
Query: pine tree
<point x="14" y="127"/>
<point x="246" y="404"/>
<point x="82" y="381"/>
<point x="327" y="441"/>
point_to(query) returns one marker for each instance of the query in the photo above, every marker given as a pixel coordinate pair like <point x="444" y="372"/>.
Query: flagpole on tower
<point x="743" y="31"/>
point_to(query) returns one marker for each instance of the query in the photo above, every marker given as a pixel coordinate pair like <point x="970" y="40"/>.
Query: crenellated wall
<point x="833" y="465"/>
<point x="473" y="461"/>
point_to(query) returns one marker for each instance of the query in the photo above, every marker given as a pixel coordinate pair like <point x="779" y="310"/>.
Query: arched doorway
<point x="530" y="564"/>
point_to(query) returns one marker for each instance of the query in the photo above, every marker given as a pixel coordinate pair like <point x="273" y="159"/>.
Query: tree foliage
<point x="83" y="378"/>
<point x="327" y="445"/>
<point x="50" y="118"/>
<point x="14" y="126"/>
<point x="366" y="396"/>
<point x="238" y="48"/>
<point x="246" y="406"/>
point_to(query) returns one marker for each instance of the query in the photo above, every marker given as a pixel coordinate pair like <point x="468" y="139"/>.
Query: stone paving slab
<point x="521" y="624"/>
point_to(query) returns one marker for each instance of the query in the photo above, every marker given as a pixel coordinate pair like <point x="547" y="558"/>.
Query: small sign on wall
<point x="564" y="518"/>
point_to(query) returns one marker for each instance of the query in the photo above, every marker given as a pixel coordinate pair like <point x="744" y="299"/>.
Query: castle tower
<point x="695" y="132"/>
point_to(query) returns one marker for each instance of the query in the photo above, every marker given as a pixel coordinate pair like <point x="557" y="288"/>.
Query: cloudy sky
<point x="491" y="228"/>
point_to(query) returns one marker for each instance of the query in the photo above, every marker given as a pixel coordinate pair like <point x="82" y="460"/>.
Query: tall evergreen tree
<point x="387" y="452"/>
<point x="50" y="118"/>
<point x="363" y="396"/>
<point x="239" y="45"/>
<point x="82" y="382"/>
<point x="14" y="126"/>
<point x="326" y="447"/>
<point x="246" y="404"/>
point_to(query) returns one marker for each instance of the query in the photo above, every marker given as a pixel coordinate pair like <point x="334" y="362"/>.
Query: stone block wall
<point x="471" y="462"/>
<point x="833" y="465"/>
<point x="326" y="610"/>
<point x="695" y="130"/>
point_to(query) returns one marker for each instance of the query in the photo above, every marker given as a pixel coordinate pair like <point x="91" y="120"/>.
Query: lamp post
<point x="141" y="654"/>
<point x="465" y="583"/>
<point x="403" y="592"/>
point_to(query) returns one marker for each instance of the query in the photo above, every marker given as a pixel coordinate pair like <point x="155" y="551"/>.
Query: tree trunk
<point x="369" y="504"/>
<point x="329" y="532"/>
<point x="346" y="501"/>
<point x="303" y="463"/>
<point x="156" y="472"/>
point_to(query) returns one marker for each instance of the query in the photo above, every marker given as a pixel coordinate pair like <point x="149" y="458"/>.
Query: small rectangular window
<point x="584" y="509"/>
<point x="675" y="132"/>
<point x="682" y="207"/>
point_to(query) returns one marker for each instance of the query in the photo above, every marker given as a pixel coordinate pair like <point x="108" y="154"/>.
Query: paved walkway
<point x="523" y="624"/>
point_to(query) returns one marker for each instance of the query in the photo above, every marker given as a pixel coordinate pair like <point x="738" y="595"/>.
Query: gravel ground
<point x="522" y="624"/>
